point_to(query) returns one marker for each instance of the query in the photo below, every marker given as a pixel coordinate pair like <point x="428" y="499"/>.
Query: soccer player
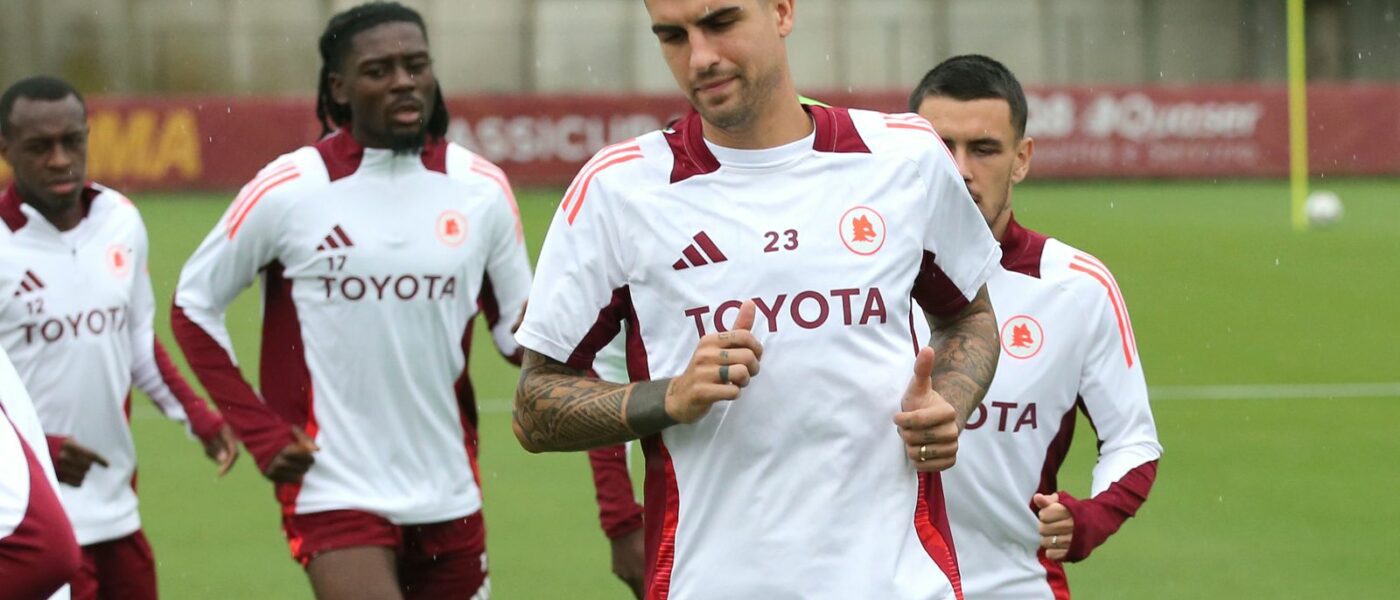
<point x="38" y="552"/>
<point x="757" y="231"/>
<point x="376" y="247"/>
<point x="77" y="320"/>
<point x="618" y="512"/>
<point x="1067" y="346"/>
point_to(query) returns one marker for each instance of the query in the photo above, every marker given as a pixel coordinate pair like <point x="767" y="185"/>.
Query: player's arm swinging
<point x="950" y="379"/>
<point x="559" y="408"/>
<point x="966" y="348"/>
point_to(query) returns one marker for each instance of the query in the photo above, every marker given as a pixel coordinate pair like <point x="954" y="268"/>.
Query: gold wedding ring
<point x="923" y="453"/>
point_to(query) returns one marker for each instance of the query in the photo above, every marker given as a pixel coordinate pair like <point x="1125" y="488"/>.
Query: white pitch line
<point x="1277" y="391"/>
<point x="1280" y="391"/>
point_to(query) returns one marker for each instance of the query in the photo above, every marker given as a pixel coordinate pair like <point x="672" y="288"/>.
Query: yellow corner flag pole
<point x="1298" y="113"/>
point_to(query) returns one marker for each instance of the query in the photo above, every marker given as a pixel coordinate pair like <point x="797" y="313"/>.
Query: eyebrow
<point x="709" y="19"/>
<point x="390" y="57"/>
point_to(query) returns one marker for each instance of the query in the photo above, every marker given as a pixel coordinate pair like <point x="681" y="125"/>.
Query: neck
<point x="780" y="120"/>
<point x="999" y="224"/>
<point x="64" y="213"/>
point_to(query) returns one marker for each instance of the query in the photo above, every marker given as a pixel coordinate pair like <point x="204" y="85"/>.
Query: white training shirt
<point x="19" y="427"/>
<point x="76" y="318"/>
<point x="14" y="467"/>
<point x="1067" y="345"/>
<point x="373" y="266"/>
<point x="801" y="488"/>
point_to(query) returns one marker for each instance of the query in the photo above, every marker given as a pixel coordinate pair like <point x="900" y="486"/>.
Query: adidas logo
<point x="695" y="254"/>
<point x="335" y="239"/>
<point x="30" y="283"/>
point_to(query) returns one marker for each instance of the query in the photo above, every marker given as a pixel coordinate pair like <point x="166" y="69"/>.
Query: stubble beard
<point x="408" y="143"/>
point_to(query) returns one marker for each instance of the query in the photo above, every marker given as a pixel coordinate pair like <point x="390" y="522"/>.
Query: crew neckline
<point x="764" y="157"/>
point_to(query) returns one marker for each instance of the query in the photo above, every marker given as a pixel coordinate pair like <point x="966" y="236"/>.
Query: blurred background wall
<point x="511" y="46"/>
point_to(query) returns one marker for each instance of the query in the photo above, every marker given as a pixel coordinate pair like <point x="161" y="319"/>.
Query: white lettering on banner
<point x="531" y="138"/>
<point x="1136" y="117"/>
<point x="1050" y="116"/>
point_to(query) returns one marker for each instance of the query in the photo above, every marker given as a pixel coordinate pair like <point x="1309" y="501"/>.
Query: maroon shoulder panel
<point x="9" y="209"/>
<point x="1021" y="249"/>
<point x="341" y="153"/>
<point x="692" y="157"/>
<point x="835" y="130"/>
<point x="435" y="155"/>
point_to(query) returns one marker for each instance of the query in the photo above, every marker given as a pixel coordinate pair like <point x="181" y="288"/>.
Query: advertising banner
<point x="542" y="140"/>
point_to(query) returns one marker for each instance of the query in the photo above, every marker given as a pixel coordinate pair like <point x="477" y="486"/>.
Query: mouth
<point x="63" y="188"/>
<point x="408" y="113"/>
<point x="714" y="86"/>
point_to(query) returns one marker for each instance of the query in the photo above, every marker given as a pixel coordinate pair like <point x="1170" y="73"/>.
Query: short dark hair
<point x="973" y="77"/>
<point x="39" y="87"/>
<point x="336" y="43"/>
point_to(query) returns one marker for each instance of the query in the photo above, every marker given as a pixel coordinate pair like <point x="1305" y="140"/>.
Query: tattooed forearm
<point x="967" y="349"/>
<point x="558" y="408"/>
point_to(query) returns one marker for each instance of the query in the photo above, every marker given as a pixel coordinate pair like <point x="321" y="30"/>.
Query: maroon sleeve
<point x="263" y="433"/>
<point x="1099" y="517"/>
<point x="935" y="291"/>
<point x="55" y="443"/>
<point x="41" y="554"/>
<point x="204" y="422"/>
<point x="618" y="510"/>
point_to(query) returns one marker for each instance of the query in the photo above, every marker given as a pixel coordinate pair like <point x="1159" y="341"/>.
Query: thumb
<point x="747" y="312"/>
<point x="922" y="381"/>
<point x="1043" y="501"/>
<point x="303" y="440"/>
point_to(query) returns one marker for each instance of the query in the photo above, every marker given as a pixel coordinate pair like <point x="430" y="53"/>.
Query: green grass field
<point x="1273" y="497"/>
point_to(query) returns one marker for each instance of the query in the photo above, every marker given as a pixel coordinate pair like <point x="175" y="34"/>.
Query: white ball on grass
<point x="1324" y="208"/>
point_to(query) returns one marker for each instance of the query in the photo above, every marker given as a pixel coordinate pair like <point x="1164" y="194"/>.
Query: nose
<point x="960" y="157"/>
<point x="703" y="54"/>
<point x="403" y="79"/>
<point x="60" y="158"/>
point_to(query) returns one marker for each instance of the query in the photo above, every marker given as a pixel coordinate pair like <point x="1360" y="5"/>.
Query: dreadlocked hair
<point x="335" y="43"/>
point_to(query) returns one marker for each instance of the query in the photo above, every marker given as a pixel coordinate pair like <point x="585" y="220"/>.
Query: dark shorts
<point x="123" y="569"/>
<point x="435" y="560"/>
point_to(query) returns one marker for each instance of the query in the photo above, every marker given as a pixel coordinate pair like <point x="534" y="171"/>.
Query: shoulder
<point x="278" y="184"/>
<point x="640" y="164"/>
<point x="108" y="200"/>
<point x="905" y="135"/>
<point x="467" y="167"/>
<point x="1080" y="273"/>
<point x="300" y="169"/>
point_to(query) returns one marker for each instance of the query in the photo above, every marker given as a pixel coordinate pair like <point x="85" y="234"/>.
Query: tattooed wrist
<point x="646" y="408"/>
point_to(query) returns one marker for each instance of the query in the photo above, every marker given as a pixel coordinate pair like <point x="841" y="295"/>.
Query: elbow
<point x="524" y="438"/>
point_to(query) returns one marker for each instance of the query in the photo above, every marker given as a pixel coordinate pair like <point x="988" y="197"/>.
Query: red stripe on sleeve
<point x="237" y="221"/>
<point x="583" y="190"/>
<point x="205" y="422"/>
<point x="1118" y="311"/>
<point x="260" y="429"/>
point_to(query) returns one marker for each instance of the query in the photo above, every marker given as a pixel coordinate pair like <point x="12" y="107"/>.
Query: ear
<point x="786" y="10"/>
<point x="1022" y="166"/>
<point x="339" y="92"/>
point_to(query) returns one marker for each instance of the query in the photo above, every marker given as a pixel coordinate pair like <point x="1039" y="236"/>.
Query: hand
<point x="222" y="447"/>
<point x="73" y="462"/>
<point x="294" y="460"/>
<point x="723" y="364"/>
<point x="928" y="424"/>
<point x="629" y="561"/>
<point x="1056" y="526"/>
